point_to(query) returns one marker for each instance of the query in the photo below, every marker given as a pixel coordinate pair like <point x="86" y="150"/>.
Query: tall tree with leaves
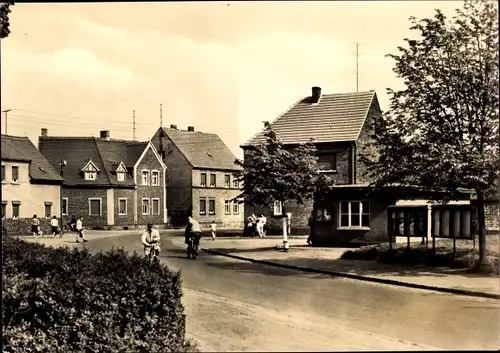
<point x="4" y="18"/>
<point x="441" y="131"/>
<point x="271" y="173"/>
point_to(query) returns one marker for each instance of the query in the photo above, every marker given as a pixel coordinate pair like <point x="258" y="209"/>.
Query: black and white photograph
<point x="250" y="176"/>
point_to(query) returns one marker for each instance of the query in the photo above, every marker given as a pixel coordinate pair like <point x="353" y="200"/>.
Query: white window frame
<point x="228" y="184"/>
<point x="277" y="208"/>
<point x="67" y="207"/>
<point x="157" y="173"/>
<point x="100" y="205"/>
<point x="204" y="212"/>
<point x="18" y="180"/>
<point x="90" y="174"/>
<point x="334" y="159"/>
<point x="146" y="173"/>
<point x="215" y="180"/>
<point x="215" y="205"/>
<point x="227" y="207"/>
<point x="120" y="175"/>
<point x="126" y="206"/>
<point x="4" y="179"/>
<point x="349" y="214"/>
<point x="236" y="206"/>
<point x="149" y="206"/>
<point x="236" y="182"/>
<point x="203" y="184"/>
<point x="152" y="208"/>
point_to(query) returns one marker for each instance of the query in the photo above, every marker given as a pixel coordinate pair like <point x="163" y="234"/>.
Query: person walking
<point x="79" y="230"/>
<point x="54" y="223"/>
<point x="213" y="228"/>
<point x="260" y="225"/>
<point x="35" y="226"/>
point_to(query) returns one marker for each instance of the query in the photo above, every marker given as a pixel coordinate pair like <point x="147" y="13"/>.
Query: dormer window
<point x="90" y="171"/>
<point x="120" y="172"/>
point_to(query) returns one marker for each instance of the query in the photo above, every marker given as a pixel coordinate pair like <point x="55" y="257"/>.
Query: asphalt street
<point x="234" y="305"/>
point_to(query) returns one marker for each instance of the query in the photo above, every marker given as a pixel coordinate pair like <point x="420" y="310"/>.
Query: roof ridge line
<point x="179" y="149"/>
<point x="247" y="142"/>
<point x="366" y="114"/>
<point x="102" y="160"/>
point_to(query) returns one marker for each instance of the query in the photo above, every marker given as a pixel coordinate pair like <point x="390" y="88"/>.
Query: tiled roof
<point x="105" y="154"/>
<point x="21" y="149"/>
<point x="203" y="150"/>
<point x="336" y="118"/>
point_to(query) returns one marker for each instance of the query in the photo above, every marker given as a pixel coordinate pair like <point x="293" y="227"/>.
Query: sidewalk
<point x="328" y="259"/>
<point x="69" y="239"/>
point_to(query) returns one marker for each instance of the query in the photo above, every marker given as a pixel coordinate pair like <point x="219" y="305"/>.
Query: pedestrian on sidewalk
<point x="213" y="228"/>
<point x="311" y="220"/>
<point x="54" y="223"/>
<point x="254" y="224"/>
<point x="79" y="230"/>
<point x="35" y="226"/>
<point x="260" y="225"/>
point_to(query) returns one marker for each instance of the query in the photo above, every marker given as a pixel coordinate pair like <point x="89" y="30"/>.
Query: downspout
<point x="353" y="163"/>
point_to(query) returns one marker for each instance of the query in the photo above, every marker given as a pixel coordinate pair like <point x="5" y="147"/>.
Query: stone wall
<point x="78" y="205"/>
<point x="128" y="219"/>
<point x="22" y="226"/>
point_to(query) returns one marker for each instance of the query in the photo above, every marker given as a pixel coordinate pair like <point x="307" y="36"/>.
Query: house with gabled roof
<point x="110" y="182"/>
<point x="201" y="177"/>
<point x="30" y="185"/>
<point x="340" y="126"/>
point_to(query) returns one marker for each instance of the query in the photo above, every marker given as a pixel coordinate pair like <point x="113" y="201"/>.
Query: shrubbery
<point x="419" y="256"/>
<point x="62" y="300"/>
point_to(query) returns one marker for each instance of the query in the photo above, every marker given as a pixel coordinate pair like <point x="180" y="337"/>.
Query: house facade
<point x="30" y="185"/>
<point x="201" y="177"/>
<point x="111" y="183"/>
<point x="340" y="125"/>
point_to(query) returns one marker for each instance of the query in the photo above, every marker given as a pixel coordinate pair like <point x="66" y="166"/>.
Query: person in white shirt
<point x="263" y="219"/>
<point x="79" y="230"/>
<point x="54" y="223"/>
<point x="150" y="237"/>
<point x="213" y="228"/>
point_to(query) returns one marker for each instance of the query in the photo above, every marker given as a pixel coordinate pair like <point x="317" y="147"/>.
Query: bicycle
<point x="192" y="250"/>
<point x="154" y="253"/>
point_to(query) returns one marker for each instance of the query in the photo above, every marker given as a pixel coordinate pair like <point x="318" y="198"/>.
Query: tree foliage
<point x="4" y="18"/>
<point x="271" y="172"/>
<point x="441" y="130"/>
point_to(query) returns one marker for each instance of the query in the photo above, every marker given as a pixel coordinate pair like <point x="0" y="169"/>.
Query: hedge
<point x="62" y="300"/>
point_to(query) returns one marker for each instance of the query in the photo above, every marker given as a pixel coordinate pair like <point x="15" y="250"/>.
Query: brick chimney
<point x="173" y="126"/>
<point x="316" y="94"/>
<point x="191" y="128"/>
<point x="105" y="134"/>
<point x="44" y="132"/>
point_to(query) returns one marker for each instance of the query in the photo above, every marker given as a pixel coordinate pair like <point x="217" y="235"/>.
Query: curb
<point x="359" y="277"/>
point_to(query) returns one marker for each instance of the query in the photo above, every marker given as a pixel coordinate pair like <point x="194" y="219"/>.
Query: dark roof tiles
<point x="105" y="154"/>
<point x="203" y="150"/>
<point x="21" y="149"/>
<point x="335" y="118"/>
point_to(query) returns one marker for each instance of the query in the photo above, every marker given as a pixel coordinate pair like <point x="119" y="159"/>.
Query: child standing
<point x="213" y="228"/>
<point x="54" y="223"/>
<point x="79" y="230"/>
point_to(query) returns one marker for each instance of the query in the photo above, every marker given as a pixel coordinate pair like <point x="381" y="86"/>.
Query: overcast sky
<point x="224" y="68"/>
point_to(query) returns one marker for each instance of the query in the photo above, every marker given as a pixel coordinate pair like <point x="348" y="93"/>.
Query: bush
<point x="62" y="300"/>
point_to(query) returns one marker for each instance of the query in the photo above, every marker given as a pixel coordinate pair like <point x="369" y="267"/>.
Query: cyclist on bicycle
<point x="193" y="230"/>
<point x="149" y="238"/>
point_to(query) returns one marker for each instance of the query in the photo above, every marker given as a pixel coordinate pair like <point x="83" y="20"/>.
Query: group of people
<point x="74" y="224"/>
<point x="256" y="226"/>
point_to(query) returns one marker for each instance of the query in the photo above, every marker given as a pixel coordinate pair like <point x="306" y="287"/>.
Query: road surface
<point x="234" y="305"/>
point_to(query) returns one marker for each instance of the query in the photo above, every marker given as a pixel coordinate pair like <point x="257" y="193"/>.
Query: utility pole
<point x="357" y="76"/>
<point x="6" y="111"/>
<point x="133" y="122"/>
<point x="161" y="116"/>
